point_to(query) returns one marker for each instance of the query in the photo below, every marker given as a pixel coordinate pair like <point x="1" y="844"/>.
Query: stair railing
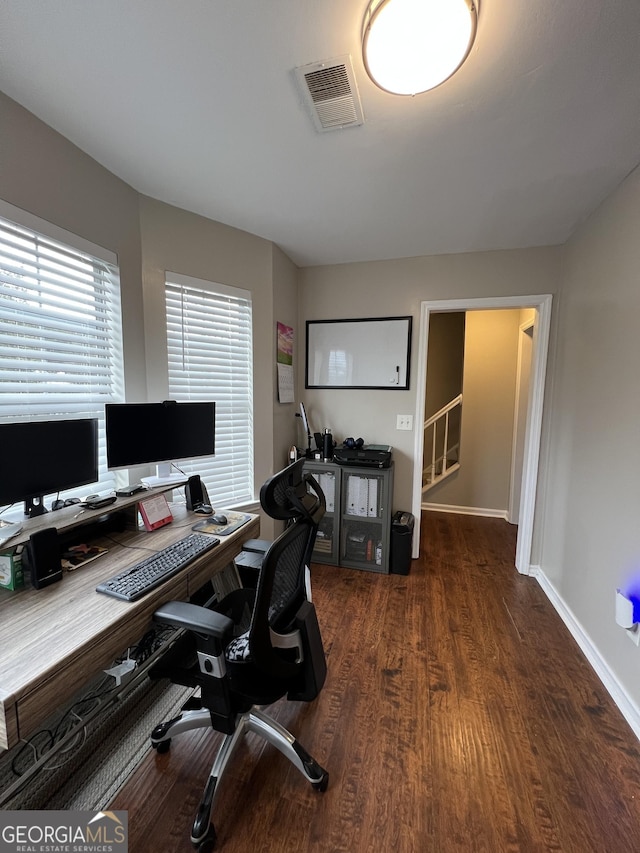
<point x="435" y="421"/>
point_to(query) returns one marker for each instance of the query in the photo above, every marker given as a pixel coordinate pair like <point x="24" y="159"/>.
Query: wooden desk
<point x="53" y="640"/>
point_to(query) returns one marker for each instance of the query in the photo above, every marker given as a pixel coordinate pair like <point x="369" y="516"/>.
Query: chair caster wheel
<point x="322" y="784"/>
<point x="209" y="841"/>
<point x="162" y="747"/>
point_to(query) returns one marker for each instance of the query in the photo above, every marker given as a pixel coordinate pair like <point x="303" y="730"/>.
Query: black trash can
<point x="401" y="541"/>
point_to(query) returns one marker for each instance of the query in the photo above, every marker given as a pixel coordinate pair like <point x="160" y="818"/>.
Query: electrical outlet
<point x="404" y="422"/>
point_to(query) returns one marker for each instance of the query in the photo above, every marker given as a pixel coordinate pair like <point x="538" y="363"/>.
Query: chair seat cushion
<point x="238" y="650"/>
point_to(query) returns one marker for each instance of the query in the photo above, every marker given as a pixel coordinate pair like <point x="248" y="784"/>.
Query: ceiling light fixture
<point x="411" y="46"/>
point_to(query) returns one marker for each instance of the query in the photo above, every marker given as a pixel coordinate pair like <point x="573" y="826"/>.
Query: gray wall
<point x="285" y="310"/>
<point x="589" y="518"/>
<point x="186" y="243"/>
<point x="398" y="287"/>
<point x="445" y="360"/>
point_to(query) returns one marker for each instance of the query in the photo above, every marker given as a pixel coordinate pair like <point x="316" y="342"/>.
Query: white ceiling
<point x="195" y="102"/>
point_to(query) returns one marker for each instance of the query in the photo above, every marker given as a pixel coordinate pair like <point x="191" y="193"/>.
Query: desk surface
<point x="53" y="640"/>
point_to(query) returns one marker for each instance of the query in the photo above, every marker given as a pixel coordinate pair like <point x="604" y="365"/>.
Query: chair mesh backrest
<point x="288" y="591"/>
<point x="281" y="588"/>
<point x="295" y="496"/>
<point x="280" y="491"/>
<point x="280" y="592"/>
<point x="286" y="495"/>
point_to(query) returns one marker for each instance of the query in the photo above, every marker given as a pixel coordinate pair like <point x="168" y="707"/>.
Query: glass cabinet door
<point x="364" y="537"/>
<point x="355" y="530"/>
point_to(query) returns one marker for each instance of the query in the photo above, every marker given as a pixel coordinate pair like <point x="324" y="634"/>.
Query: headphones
<point x="352" y="443"/>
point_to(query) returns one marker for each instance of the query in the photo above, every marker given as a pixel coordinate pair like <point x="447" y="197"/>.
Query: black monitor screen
<point x="140" y="433"/>
<point x="45" y="457"/>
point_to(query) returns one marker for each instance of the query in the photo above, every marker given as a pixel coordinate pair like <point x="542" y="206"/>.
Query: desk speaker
<point x="41" y="556"/>
<point x="195" y="492"/>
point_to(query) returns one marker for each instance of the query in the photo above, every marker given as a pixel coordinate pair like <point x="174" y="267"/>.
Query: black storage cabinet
<point x="401" y="540"/>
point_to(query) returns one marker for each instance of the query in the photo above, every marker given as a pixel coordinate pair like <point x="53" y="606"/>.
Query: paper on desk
<point x="79" y="555"/>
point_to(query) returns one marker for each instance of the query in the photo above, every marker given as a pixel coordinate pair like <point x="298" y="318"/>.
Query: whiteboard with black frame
<point x="362" y="353"/>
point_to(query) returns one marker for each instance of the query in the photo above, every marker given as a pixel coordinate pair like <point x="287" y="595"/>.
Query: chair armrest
<point x="181" y="614"/>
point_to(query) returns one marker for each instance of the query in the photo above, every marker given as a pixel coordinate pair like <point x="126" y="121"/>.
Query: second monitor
<point x="161" y="433"/>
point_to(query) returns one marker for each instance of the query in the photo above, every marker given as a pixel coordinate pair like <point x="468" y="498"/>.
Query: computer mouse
<point x="203" y="509"/>
<point x="218" y="518"/>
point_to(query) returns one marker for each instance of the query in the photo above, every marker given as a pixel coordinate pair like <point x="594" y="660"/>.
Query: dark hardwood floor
<point x="458" y="715"/>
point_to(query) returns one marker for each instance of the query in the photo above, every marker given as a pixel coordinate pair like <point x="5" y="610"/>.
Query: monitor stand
<point x="164" y="476"/>
<point x="34" y="507"/>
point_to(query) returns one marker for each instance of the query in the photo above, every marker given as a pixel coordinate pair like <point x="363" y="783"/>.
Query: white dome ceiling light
<point x="411" y="46"/>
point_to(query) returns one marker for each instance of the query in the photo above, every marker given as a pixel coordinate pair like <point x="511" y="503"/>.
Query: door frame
<point x="542" y="305"/>
<point x="525" y="331"/>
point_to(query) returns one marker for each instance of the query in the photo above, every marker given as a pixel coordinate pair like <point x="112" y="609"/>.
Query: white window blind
<point x="60" y="333"/>
<point x="209" y="342"/>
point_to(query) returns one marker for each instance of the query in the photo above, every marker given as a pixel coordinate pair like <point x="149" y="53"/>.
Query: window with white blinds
<point x="60" y="333"/>
<point x="210" y="349"/>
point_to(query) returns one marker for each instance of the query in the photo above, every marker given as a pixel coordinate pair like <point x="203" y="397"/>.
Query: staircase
<point x="441" y="445"/>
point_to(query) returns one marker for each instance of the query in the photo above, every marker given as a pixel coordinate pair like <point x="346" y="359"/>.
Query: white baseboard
<point x="466" y="510"/>
<point x="621" y="698"/>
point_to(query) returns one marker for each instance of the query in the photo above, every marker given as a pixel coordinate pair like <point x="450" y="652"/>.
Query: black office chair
<point x="255" y="647"/>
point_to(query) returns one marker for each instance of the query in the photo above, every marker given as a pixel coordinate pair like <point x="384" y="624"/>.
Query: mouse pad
<point x="234" y="521"/>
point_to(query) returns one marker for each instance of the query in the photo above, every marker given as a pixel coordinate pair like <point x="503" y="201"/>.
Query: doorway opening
<point x="532" y="419"/>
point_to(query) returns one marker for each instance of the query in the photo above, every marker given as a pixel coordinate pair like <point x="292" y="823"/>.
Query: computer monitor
<point x="161" y="433"/>
<point x="39" y="458"/>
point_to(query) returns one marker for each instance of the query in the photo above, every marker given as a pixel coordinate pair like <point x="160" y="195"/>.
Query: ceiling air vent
<point x="332" y="93"/>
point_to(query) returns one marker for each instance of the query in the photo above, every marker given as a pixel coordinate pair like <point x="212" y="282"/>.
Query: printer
<point x="367" y="456"/>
